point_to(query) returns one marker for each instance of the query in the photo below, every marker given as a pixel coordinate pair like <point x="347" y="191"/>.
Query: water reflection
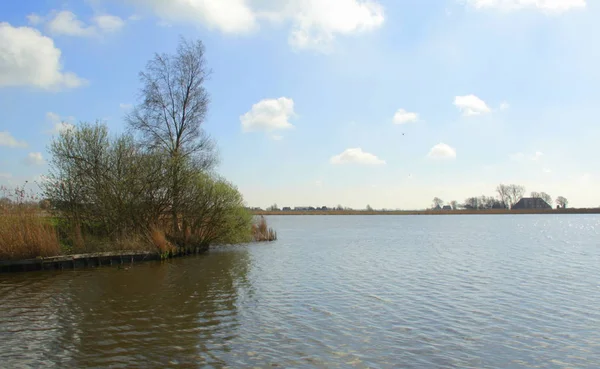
<point x="182" y="312"/>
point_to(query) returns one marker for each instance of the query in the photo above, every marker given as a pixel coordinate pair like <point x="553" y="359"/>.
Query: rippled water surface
<point x="333" y="292"/>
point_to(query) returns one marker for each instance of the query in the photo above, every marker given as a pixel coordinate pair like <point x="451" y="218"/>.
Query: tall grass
<point x="24" y="234"/>
<point x="261" y="231"/>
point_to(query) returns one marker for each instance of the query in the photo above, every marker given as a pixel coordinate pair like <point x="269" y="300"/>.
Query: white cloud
<point x="319" y="183"/>
<point x="228" y="16"/>
<point x="66" y="23"/>
<point x="548" y="6"/>
<point x="546" y="170"/>
<point x="125" y="106"/>
<point x="108" y="23"/>
<point x="269" y="115"/>
<point x="402" y="116"/>
<point x="28" y="58"/>
<point x="314" y="23"/>
<point x="537" y="156"/>
<point x="5" y="175"/>
<point x="35" y="158"/>
<point x="471" y="105"/>
<point x="35" y="19"/>
<point x="277" y="137"/>
<point x="59" y="124"/>
<point x="442" y="151"/>
<point x="7" y="140"/>
<point x="504" y="105"/>
<point x="356" y="156"/>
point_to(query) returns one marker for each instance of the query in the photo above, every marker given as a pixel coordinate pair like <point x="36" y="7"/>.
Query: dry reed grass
<point x="24" y="234"/>
<point x="159" y="240"/>
<point x="261" y="231"/>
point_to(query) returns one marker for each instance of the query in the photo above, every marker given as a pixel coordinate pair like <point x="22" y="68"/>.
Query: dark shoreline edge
<point x="434" y="212"/>
<point x="92" y="260"/>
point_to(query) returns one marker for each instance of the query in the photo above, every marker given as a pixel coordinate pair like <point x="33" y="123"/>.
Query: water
<point x="334" y="292"/>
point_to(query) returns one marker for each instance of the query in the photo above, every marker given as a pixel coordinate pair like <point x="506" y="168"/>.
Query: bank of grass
<point x="27" y="232"/>
<point x="24" y="234"/>
<point x="432" y="212"/>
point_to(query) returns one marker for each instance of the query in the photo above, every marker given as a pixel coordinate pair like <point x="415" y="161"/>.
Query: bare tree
<point x="503" y="193"/>
<point x="454" y="204"/>
<point x="516" y="193"/>
<point x="510" y="194"/>
<point x="562" y="202"/>
<point x="544" y="196"/>
<point x="369" y="208"/>
<point x="472" y="203"/>
<point x="437" y="202"/>
<point x="536" y="195"/>
<point x="172" y="110"/>
<point x="273" y="207"/>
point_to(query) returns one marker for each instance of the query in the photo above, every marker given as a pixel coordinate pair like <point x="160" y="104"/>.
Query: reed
<point x="261" y="232"/>
<point x="24" y="234"/>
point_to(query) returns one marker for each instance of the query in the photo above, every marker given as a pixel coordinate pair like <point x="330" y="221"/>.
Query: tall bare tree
<point x="173" y="107"/>
<point x="562" y="201"/>
<point x="510" y="194"/>
<point x="437" y="202"/>
<point x="536" y="195"/>
<point x="454" y="204"/>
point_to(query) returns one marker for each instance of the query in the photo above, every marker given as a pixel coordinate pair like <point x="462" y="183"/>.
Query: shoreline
<point x="433" y="212"/>
<point x="91" y="260"/>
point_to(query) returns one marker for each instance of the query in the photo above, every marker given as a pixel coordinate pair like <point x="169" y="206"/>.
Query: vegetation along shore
<point x="152" y="189"/>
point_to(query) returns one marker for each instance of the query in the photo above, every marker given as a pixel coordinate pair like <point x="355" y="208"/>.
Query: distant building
<point x="301" y="208"/>
<point x="531" y="203"/>
<point x="437" y="207"/>
<point x="447" y="207"/>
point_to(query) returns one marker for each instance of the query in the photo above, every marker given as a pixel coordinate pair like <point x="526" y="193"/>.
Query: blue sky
<point x="326" y="102"/>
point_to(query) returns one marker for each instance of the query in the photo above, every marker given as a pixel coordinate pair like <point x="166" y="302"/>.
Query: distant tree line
<point x="506" y="197"/>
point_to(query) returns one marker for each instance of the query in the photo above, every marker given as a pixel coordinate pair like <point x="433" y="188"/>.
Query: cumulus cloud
<point x="356" y="156"/>
<point x="35" y="158"/>
<point x="59" y="124"/>
<point x="402" y="116"/>
<point x="269" y="115"/>
<point x="471" y="105"/>
<point x="314" y="23"/>
<point x="66" y="23"/>
<point x="442" y="151"/>
<point x="7" y="140"/>
<point x="31" y="59"/>
<point x="227" y="16"/>
<point x="548" y="6"/>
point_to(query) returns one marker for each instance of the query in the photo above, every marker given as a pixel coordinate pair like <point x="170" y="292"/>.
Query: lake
<point x="495" y="291"/>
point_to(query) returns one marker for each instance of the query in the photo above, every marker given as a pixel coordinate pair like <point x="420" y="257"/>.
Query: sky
<point x="388" y="103"/>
